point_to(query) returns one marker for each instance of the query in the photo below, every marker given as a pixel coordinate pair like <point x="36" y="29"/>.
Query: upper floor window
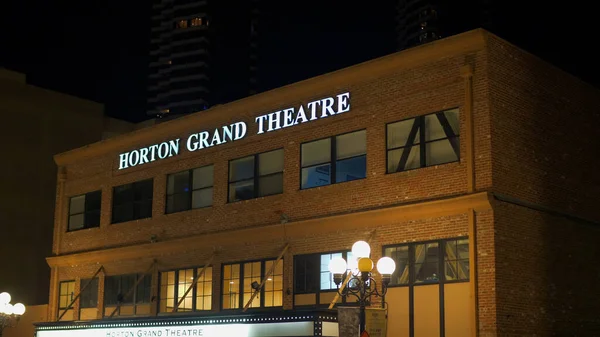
<point x="241" y="279"/>
<point x="431" y="262"/>
<point x="423" y="141"/>
<point x="334" y="160"/>
<point x="122" y="290"/>
<point x="84" y="211"/>
<point x="256" y="176"/>
<point x="174" y="285"/>
<point x="313" y="283"/>
<point x="132" y="201"/>
<point x="190" y="189"/>
<point x="181" y="24"/>
<point x="196" y="22"/>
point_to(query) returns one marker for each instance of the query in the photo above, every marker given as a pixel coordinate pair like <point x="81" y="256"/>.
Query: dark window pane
<point x="111" y="289"/>
<point x="178" y="183"/>
<point x="400" y="256"/>
<point x="269" y="185"/>
<point x="241" y="169"/>
<point x="122" y="194"/>
<point x="142" y="209"/>
<point x="127" y="283"/>
<point x="316" y="176"/>
<point x="122" y="213"/>
<point x="426" y="262"/>
<point x="92" y="201"/>
<point x="143" y="190"/>
<point x="241" y="190"/>
<point x="351" y="169"/>
<point x="178" y="202"/>
<point x="92" y="219"/>
<point x="89" y="295"/>
<point x="143" y="289"/>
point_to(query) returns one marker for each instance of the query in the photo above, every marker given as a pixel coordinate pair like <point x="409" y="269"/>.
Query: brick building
<point x="466" y="160"/>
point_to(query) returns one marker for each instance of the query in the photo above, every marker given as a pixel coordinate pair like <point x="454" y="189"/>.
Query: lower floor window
<point x="176" y="284"/>
<point x="313" y="283"/>
<point x="127" y="295"/>
<point x="241" y="279"/>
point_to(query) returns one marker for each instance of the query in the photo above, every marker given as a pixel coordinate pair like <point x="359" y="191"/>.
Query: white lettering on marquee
<point x="273" y="121"/>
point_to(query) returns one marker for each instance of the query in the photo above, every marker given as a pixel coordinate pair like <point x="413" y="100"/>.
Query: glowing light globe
<point x="19" y="309"/>
<point x="386" y="266"/>
<point x="361" y="249"/>
<point x="4" y="298"/>
<point x="337" y="265"/>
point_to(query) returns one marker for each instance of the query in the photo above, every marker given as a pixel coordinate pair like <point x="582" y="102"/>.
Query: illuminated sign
<point x="284" y="118"/>
<point x="214" y="330"/>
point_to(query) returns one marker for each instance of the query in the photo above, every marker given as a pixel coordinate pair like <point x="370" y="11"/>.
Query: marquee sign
<point x="213" y="330"/>
<point x="284" y="118"/>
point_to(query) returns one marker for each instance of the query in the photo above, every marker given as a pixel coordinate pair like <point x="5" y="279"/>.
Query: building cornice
<point x="468" y="42"/>
<point x="365" y="219"/>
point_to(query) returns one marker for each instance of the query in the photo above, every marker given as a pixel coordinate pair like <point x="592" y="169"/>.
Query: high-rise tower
<point x="202" y="53"/>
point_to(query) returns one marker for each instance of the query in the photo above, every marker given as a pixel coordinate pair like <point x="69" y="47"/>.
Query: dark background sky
<point x="98" y="49"/>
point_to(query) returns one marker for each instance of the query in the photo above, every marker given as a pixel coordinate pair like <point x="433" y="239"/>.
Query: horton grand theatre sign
<point x="284" y="118"/>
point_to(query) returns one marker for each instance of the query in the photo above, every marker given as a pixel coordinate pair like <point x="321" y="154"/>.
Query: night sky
<point x="98" y="49"/>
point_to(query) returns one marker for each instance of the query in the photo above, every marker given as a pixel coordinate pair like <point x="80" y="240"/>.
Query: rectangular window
<point x="132" y="201"/>
<point x="334" y="160"/>
<point x="89" y="295"/>
<point x="240" y="280"/>
<point x="174" y="285"/>
<point x="431" y="262"/>
<point x="66" y="294"/>
<point x="313" y="283"/>
<point x="423" y="141"/>
<point x="84" y="211"/>
<point x="256" y="176"/>
<point x="121" y="289"/>
<point x="190" y="189"/>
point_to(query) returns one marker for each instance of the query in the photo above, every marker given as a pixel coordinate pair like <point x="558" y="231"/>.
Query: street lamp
<point x="9" y="314"/>
<point x="361" y="283"/>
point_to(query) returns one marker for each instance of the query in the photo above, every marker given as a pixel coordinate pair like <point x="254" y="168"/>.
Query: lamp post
<point x="361" y="283"/>
<point x="9" y="314"/>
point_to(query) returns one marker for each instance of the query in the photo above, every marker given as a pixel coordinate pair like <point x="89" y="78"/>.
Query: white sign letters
<point x="284" y="118"/>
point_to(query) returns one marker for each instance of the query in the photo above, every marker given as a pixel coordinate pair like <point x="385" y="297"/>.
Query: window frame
<point x="422" y="142"/>
<point x="190" y="173"/>
<point x="83" y="293"/>
<point x="318" y="289"/>
<point x="85" y="212"/>
<point x="135" y="301"/>
<point x="332" y="159"/>
<point x="263" y="271"/>
<point x="59" y="295"/>
<point x="133" y="201"/>
<point x="256" y="176"/>
<point x="441" y="262"/>
<point x="193" y="293"/>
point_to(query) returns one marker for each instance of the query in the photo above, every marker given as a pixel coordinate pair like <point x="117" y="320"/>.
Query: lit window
<point x="190" y="189"/>
<point x="66" y="294"/>
<point x="84" y="211"/>
<point x="334" y="160"/>
<point x="256" y="176"/>
<point x="239" y="278"/>
<point x="423" y="141"/>
<point x="196" y="22"/>
<point x="174" y="285"/>
<point x="181" y="24"/>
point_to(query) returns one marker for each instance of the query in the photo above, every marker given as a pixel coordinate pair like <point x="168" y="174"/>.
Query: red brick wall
<point x="547" y="274"/>
<point x="407" y="93"/>
<point x="545" y="148"/>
